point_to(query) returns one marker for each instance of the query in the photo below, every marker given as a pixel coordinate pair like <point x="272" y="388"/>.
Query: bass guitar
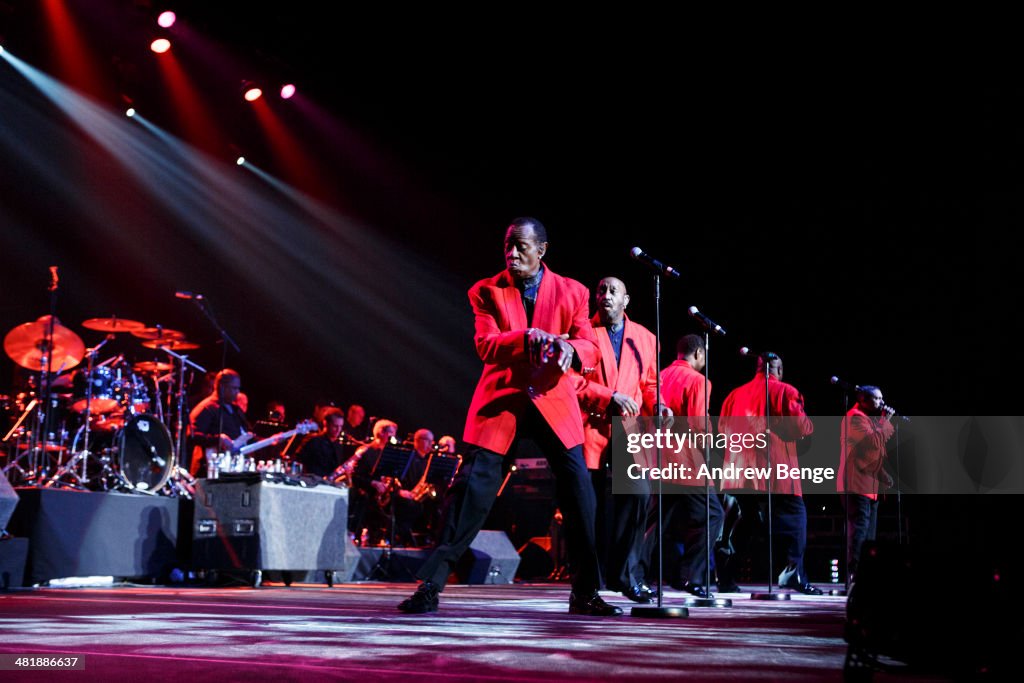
<point x="240" y="446"/>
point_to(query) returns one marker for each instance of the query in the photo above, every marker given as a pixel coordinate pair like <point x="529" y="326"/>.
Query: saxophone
<point x="390" y="484"/>
<point x="423" y="489"/>
<point x="343" y="475"/>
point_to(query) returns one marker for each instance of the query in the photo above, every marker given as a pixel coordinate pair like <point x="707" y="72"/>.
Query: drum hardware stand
<point x="181" y="481"/>
<point x="43" y="417"/>
<point x="13" y="464"/>
<point x="82" y="478"/>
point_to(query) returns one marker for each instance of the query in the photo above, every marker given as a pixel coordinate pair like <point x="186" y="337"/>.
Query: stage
<point x="353" y="632"/>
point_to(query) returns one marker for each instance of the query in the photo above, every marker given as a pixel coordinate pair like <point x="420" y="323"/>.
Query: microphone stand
<point x="711" y="600"/>
<point x="770" y="595"/>
<point x="846" y="501"/>
<point x="658" y="612"/>
<point x="226" y="339"/>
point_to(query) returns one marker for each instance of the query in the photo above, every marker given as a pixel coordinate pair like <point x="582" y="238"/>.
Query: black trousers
<point x="694" y="515"/>
<point x="861" y="525"/>
<point x="789" y="531"/>
<point x="475" y="488"/>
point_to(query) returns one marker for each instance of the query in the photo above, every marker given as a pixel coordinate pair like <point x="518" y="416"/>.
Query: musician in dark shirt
<point x="323" y="452"/>
<point x="217" y="422"/>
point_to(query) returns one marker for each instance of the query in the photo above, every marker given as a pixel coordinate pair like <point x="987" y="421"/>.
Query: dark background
<point x="856" y="219"/>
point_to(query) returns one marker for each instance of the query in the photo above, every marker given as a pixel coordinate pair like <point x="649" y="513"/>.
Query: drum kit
<point x="97" y="425"/>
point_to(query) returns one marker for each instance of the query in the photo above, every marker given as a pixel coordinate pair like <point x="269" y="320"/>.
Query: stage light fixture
<point x="166" y="19"/>
<point x="130" y="112"/>
<point x="240" y="160"/>
<point x="287" y="91"/>
<point x="160" y="45"/>
<point x="250" y="91"/>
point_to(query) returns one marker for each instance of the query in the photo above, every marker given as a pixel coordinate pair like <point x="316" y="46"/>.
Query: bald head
<point x="612" y="300"/>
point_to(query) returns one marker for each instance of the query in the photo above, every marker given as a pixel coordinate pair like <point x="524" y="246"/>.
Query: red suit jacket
<point x="508" y="380"/>
<point x="743" y="413"/>
<point x="863" y="439"/>
<point x="635" y="376"/>
<point x="682" y="390"/>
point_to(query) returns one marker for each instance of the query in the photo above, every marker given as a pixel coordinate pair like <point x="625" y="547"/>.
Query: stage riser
<point x="80" y="533"/>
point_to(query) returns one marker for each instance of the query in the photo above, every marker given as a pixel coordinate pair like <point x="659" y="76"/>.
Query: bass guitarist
<point x="217" y="422"/>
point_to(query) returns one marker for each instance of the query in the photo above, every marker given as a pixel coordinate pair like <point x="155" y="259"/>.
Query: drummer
<point x="216" y="422"/>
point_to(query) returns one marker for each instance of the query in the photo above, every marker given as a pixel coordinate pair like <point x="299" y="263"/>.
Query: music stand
<point x="393" y="462"/>
<point x="442" y="471"/>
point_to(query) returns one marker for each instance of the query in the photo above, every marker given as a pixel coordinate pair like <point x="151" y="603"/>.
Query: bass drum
<point x="135" y="454"/>
<point x="145" y="453"/>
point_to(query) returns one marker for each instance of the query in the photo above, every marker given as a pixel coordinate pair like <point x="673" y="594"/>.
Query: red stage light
<point x="160" y="45"/>
<point x="287" y="91"/>
<point x="166" y="19"/>
<point x="252" y="94"/>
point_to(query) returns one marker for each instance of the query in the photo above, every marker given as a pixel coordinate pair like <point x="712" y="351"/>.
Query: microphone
<point x="845" y="386"/>
<point x="767" y="355"/>
<point x="188" y="295"/>
<point x="895" y="413"/>
<point x="642" y="256"/>
<point x="706" y="321"/>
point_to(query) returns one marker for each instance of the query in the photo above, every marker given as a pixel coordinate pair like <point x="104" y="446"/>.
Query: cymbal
<point x="172" y="344"/>
<point x="151" y="366"/>
<point x="157" y="333"/>
<point x="114" y="324"/>
<point x="26" y="343"/>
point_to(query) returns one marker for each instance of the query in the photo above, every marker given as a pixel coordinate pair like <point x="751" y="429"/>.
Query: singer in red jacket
<point x="743" y="414"/>
<point x="532" y="326"/>
<point x="866" y="428"/>
<point x="624" y="384"/>
<point x="693" y="502"/>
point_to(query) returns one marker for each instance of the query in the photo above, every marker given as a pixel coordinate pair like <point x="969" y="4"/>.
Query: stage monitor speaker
<point x="13" y="557"/>
<point x="536" y="560"/>
<point x="8" y="500"/>
<point x="251" y="523"/>
<point x="947" y="601"/>
<point x="491" y="559"/>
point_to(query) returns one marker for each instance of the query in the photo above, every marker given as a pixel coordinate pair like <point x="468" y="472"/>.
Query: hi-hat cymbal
<point x="172" y="344"/>
<point x="27" y="343"/>
<point x="151" y="366"/>
<point x="114" y="324"/>
<point x="157" y="333"/>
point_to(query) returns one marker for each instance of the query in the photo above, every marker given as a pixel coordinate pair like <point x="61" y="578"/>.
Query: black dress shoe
<point x="639" y="592"/>
<point x="422" y="601"/>
<point x="790" y="578"/>
<point x="692" y="588"/>
<point x="805" y="588"/>
<point x="729" y="587"/>
<point x="592" y="606"/>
